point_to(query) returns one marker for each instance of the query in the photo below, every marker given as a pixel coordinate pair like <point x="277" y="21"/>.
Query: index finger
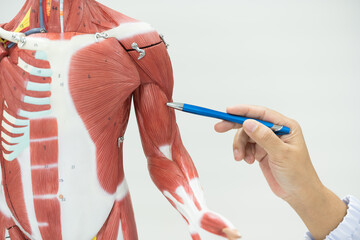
<point x="261" y="113"/>
<point x="225" y="126"/>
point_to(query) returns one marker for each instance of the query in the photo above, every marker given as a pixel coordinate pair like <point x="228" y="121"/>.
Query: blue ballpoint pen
<point x="278" y="130"/>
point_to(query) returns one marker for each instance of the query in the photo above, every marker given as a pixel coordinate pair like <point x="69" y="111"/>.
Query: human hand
<point x="287" y="167"/>
<point x="284" y="161"/>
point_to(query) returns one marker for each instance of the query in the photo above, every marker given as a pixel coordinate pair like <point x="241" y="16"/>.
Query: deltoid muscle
<point x="68" y="72"/>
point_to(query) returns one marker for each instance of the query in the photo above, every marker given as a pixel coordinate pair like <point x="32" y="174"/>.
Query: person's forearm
<point x="320" y="209"/>
<point x="287" y="167"/>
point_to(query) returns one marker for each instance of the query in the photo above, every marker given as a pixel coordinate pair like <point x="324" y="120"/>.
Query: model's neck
<point x="55" y="12"/>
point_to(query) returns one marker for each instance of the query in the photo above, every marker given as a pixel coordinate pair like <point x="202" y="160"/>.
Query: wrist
<point x="321" y="210"/>
<point x="305" y="197"/>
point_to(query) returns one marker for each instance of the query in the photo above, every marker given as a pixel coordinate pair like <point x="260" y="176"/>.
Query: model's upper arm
<point x="156" y="121"/>
<point x="157" y="124"/>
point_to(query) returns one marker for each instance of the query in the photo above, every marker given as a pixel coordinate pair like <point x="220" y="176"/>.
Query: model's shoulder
<point x="124" y="28"/>
<point x="133" y="35"/>
<point x="146" y="47"/>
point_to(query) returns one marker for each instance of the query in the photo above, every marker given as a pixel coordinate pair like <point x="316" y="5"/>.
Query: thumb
<point x="263" y="136"/>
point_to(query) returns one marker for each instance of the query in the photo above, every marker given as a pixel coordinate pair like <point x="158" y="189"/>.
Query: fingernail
<point x="250" y="125"/>
<point x="237" y="155"/>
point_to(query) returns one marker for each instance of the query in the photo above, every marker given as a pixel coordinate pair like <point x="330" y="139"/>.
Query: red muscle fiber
<point x="7" y="223"/>
<point x="15" y="86"/>
<point x="15" y="233"/>
<point x="127" y="219"/>
<point x="46" y="128"/>
<point x="143" y="41"/>
<point x="3" y="52"/>
<point x="101" y="81"/>
<point x="29" y="57"/>
<point x="53" y="22"/>
<point x="213" y="224"/>
<point x="82" y="20"/>
<point x="152" y="114"/>
<point x="195" y="237"/>
<point x="156" y="68"/>
<point x="13" y="24"/>
<point x="3" y="223"/>
<point x="78" y="17"/>
<point x="39" y="177"/>
<point x="14" y="193"/>
<point x="122" y="213"/>
<point x="48" y="211"/>
<point x="44" y="154"/>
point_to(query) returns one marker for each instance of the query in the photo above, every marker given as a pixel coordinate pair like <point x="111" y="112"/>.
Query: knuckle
<point x="295" y="124"/>
<point x="266" y="135"/>
<point x="285" y="151"/>
<point x="279" y="154"/>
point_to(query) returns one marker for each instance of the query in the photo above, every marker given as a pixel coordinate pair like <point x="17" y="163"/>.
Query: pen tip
<point x="178" y="106"/>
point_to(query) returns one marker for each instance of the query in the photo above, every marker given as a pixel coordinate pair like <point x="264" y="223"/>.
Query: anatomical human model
<point x="69" y="70"/>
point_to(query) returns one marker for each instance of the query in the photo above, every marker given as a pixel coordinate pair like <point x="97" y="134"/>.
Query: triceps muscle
<point x="170" y="165"/>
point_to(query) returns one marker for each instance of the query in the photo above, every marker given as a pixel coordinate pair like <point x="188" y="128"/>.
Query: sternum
<point x="62" y="15"/>
<point x="76" y="159"/>
<point x="78" y="191"/>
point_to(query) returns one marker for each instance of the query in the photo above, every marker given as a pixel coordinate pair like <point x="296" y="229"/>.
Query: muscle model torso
<point x="65" y="97"/>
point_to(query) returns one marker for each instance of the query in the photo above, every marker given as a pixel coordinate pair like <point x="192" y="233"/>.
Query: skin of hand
<point x="287" y="167"/>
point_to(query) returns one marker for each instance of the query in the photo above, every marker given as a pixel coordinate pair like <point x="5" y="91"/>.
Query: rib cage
<point x="16" y="133"/>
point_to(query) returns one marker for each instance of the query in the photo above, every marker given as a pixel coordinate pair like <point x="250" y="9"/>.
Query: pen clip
<point x="277" y="128"/>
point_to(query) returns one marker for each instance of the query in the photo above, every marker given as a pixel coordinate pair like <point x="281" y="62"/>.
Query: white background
<point x="300" y="57"/>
